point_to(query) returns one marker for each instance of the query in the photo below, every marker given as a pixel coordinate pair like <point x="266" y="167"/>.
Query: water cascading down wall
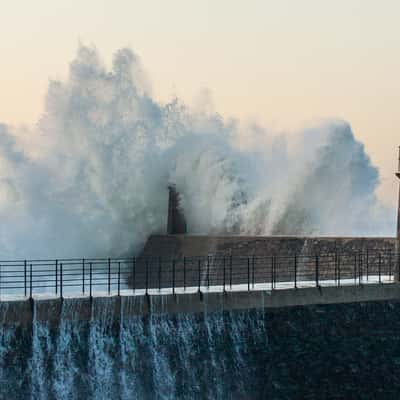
<point x="116" y="347"/>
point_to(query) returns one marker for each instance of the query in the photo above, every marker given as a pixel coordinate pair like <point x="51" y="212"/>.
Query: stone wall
<point x="177" y="246"/>
<point x="336" y="351"/>
<point x="180" y="260"/>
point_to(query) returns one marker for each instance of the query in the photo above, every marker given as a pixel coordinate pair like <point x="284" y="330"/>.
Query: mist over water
<point x="90" y="178"/>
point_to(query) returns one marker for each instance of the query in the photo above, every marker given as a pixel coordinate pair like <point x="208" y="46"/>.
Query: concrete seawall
<point x="178" y="246"/>
<point x="264" y="253"/>
<point x="24" y="312"/>
<point x="259" y="347"/>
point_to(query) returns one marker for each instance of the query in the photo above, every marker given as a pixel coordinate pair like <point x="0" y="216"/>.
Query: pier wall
<point x="338" y="343"/>
<point x="52" y="310"/>
<point x="177" y="246"/>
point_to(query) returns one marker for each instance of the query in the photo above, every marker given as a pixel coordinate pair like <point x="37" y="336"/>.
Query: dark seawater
<point x="320" y="352"/>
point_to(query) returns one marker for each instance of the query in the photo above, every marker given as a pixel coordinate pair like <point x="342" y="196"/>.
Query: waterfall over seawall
<point x="297" y="352"/>
<point x="163" y="357"/>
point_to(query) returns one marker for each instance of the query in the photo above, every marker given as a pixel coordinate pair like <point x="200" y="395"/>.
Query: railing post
<point x="83" y="276"/>
<point x="199" y="273"/>
<point x="90" y="279"/>
<point x="360" y="267"/>
<point x="133" y="274"/>
<point x="367" y="263"/>
<point x="397" y="273"/>
<point x="173" y="276"/>
<point x="223" y="287"/>
<point x="230" y="271"/>
<point x="159" y="274"/>
<point x="252" y="271"/>
<point x="390" y="265"/>
<point x="119" y="278"/>
<point x="379" y="267"/>
<point x="295" y="271"/>
<point x="30" y="281"/>
<point x="272" y="272"/>
<point x="355" y="269"/>
<point x="208" y="272"/>
<point x="56" y="275"/>
<point x="25" y="279"/>
<point x="316" y="270"/>
<point x="338" y="264"/>
<point x="61" y="280"/>
<point x="147" y="277"/>
<point x="109" y="277"/>
<point x="184" y="274"/>
<point x="248" y="273"/>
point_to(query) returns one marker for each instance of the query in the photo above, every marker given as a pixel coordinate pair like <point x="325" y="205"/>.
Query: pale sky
<point x="284" y="63"/>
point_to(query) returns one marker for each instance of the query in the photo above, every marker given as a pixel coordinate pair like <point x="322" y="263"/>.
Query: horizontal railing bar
<point x="212" y="258"/>
<point x="162" y="273"/>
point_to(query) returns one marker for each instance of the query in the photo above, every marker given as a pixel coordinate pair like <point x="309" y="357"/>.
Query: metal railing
<point x="151" y="275"/>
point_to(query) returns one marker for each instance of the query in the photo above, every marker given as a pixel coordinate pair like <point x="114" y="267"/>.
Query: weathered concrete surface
<point x="332" y="351"/>
<point x="16" y="313"/>
<point x="177" y="246"/>
<point x="22" y="313"/>
<point x="208" y="256"/>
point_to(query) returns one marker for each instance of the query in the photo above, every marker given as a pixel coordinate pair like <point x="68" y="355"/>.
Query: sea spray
<point x="93" y="179"/>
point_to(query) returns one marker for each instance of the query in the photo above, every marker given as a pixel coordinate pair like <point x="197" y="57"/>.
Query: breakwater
<point x="103" y="348"/>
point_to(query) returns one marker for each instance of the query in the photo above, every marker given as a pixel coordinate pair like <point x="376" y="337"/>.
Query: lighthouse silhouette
<point x="176" y="219"/>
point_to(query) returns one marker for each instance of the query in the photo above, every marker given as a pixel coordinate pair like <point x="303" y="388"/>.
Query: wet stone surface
<point x="349" y="351"/>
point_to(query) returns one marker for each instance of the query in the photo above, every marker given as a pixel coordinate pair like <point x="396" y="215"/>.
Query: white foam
<point x="243" y="287"/>
<point x="90" y="179"/>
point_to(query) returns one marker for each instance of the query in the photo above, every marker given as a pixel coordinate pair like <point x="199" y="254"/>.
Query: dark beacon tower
<point x="176" y="219"/>
<point x="397" y="274"/>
